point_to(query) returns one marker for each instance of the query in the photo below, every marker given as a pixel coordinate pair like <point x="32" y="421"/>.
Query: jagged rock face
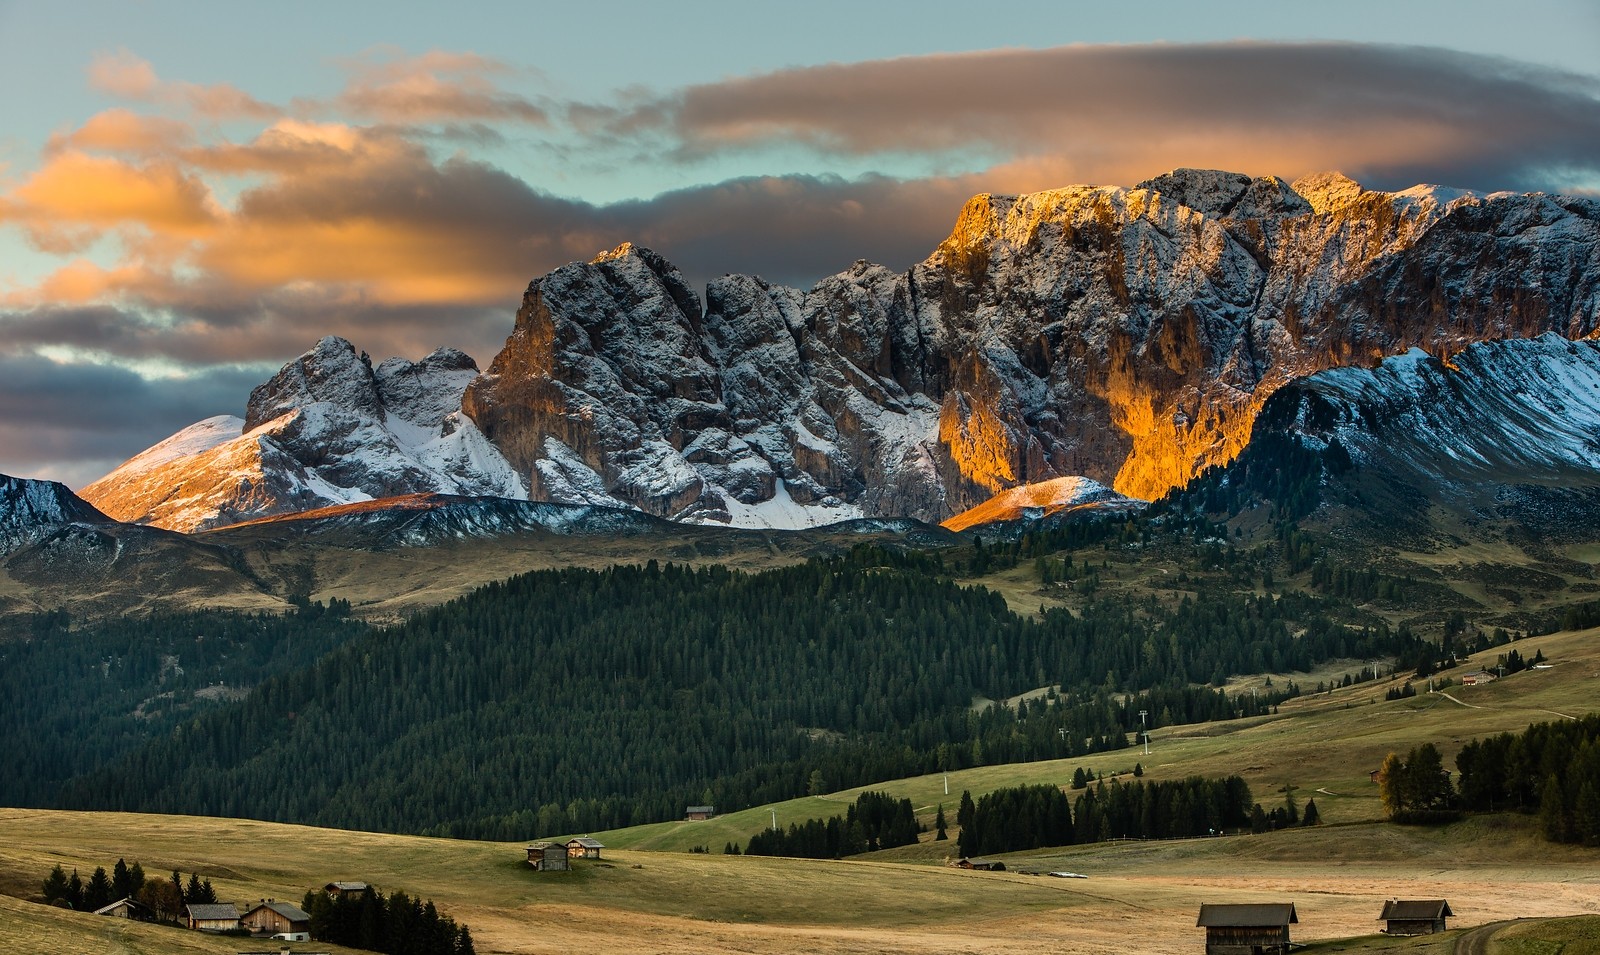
<point x="32" y="510"/>
<point x="1126" y="335"/>
<point x="327" y="429"/>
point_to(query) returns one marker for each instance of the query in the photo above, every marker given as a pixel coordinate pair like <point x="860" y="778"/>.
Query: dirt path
<point x="1531" y="709"/>
<point x="1476" y="941"/>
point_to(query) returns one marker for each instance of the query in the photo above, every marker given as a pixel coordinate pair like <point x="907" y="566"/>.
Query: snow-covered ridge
<point x="1523" y="411"/>
<point x="31" y="510"/>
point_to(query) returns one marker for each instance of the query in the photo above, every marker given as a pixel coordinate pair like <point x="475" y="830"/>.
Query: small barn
<point x="352" y="890"/>
<point x="1247" y="929"/>
<point x="584" y="848"/>
<point x="127" y="909"/>
<point x="548" y="857"/>
<point x="271" y="917"/>
<point x="699" y="813"/>
<point x="221" y="917"/>
<point x="981" y="865"/>
<point x="1415" y="916"/>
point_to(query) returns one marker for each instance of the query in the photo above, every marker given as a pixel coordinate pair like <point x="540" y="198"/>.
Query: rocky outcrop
<point x="32" y="510"/>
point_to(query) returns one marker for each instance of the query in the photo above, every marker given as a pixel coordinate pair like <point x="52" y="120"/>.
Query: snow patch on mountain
<point x="1522" y="411"/>
<point x="1032" y="502"/>
<point x="32" y="510"/>
<point x="328" y="429"/>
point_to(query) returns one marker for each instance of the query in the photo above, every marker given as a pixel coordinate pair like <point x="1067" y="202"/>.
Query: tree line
<point x="113" y="685"/>
<point x="576" y="699"/>
<point x="1015" y="818"/>
<point x="874" y="821"/>
<point x="163" y="898"/>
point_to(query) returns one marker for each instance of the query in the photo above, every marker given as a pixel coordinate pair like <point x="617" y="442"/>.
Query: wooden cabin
<point x="981" y="865"/>
<point x="352" y="890"/>
<point x="127" y="909"/>
<point x="271" y="917"/>
<point x="1415" y="916"/>
<point x="548" y="857"/>
<point x="584" y="848"/>
<point x="221" y="917"/>
<point x="699" y="813"/>
<point x="1247" y="929"/>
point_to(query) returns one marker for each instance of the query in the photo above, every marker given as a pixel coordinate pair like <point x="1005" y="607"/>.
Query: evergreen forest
<point x="581" y="700"/>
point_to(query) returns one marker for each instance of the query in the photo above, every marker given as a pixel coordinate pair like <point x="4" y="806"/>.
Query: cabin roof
<point x="1415" y="909"/>
<point x="208" y="912"/>
<point x="129" y="902"/>
<point x="586" y="843"/>
<point x="289" y="911"/>
<point x="1269" y="914"/>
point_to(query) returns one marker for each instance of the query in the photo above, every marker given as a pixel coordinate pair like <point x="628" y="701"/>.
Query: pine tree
<point x="75" y="891"/>
<point x="1311" y="817"/>
<point x="122" y="882"/>
<point x="1392" y="785"/>
<point x="1588" y="813"/>
<point x="938" y="824"/>
<point x="97" y="894"/>
<point x="1554" y="814"/>
<point x="55" y="886"/>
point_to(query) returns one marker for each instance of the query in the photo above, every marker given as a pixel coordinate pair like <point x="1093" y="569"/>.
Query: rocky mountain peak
<point x="331" y="371"/>
<point x="1328" y="191"/>
<point x="1220" y="194"/>
<point x="30" y="510"/>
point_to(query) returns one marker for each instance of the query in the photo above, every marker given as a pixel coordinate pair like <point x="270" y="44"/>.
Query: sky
<point x="193" y="193"/>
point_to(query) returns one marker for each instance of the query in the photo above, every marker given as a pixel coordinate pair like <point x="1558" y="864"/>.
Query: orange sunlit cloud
<point x="76" y="195"/>
<point x="124" y="131"/>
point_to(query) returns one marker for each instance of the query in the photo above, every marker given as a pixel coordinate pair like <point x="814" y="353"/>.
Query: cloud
<point x="438" y="86"/>
<point x="125" y="132"/>
<point x="126" y="76"/>
<point x="1117" y="114"/>
<point x="74" y="422"/>
<point x="76" y="196"/>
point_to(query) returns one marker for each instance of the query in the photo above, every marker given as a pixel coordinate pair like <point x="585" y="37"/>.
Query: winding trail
<point x="1531" y="709"/>
<point x="1476" y="941"/>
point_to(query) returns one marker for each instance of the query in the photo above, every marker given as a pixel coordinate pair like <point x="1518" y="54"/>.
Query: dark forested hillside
<point x="581" y="699"/>
<point x="72" y="701"/>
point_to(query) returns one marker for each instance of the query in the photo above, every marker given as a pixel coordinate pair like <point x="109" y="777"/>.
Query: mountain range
<point x="1129" y="337"/>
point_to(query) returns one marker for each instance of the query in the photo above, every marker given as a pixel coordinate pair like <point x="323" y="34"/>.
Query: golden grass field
<point x="651" y="895"/>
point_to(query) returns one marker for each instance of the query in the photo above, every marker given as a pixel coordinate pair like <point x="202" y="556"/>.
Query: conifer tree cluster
<point x="1031" y="817"/>
<point x="396" y="924"/>
<point x="1550" y="768"/>
<point x="1415" y="787"/>
<point x="164" y="899"/>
